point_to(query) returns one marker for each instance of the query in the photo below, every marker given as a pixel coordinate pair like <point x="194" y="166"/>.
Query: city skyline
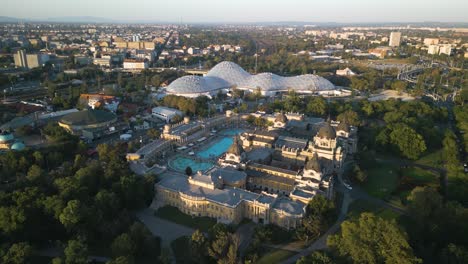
<point x="209" y="11"/>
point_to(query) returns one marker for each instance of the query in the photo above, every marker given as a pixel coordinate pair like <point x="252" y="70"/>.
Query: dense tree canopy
<point x="371" y="239"/>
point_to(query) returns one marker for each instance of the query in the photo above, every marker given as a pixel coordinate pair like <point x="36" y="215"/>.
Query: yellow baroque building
<point x="204" y="195"/>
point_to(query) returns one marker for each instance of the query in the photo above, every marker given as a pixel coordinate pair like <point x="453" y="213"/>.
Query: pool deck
<point x="203" y="146"/>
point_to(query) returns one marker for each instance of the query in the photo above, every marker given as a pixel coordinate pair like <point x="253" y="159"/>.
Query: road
<point x="349" y="196"/>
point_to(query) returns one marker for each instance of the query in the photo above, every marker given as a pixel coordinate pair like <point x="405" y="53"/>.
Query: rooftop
<point x="228" y="74"/>
<point x="227" y="196"/>
<point x="88" y="117"/>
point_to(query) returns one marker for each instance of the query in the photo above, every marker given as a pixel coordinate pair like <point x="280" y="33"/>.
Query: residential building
<point x="431" y="41"/>
<point x="165" y="113"/>
<point x="345" y="72"/>
<point x="446" y="49"/>
<point x="30" y="61"/>
<point x="433" y="49"/>
<point x="395" y="39"/>
<point x="135" y="64"/>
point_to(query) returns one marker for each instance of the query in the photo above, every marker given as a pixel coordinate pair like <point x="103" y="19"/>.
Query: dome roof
<point x="197" y="84"/>
<point x="281" y="118"/>
<point x="88" y="117"/>
<point x="18" y="146"/>
<point x="236" y="147"/>
<point x="227" y="74"/>
<point x="313" y="164"/>
<point x="5" y="137"/>
<point x="327" y="131"/>
<point x="343" y="126"/>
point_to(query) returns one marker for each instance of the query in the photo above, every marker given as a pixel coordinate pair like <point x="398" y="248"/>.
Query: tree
<point x="410" y="144"/>
<point x="18" y="253"/>
<point x="123" y="246"/>
<point x="454" y="254"/>
<point x="359" y="174"/>
<point x="121" y="260"/>
<point x="399" y="86"/>
<point x="320" y="213"/>
<point x="153" y="133"/>
<point x="450" y="149"/>
<point x="316" y="258"/>
<point x="198" y="245"/>
<point x="72" y="214"/>
<point x="188" y="171"/>
<point x="76" y="252"/>
<point x="350" y="117"/>
<point x="317" y="106"/>
<point x="34" y="173"/>
<point x="425" y="203"/>
<point x="371" y="239"/>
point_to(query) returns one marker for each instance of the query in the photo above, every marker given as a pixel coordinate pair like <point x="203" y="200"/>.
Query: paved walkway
<point x="321" y="243"/>
<point x="245" y="234"/>
<point x="166" y="230"/>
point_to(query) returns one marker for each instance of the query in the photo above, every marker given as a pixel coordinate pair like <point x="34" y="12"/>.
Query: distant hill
<point x="5" y="19"/>
<point x="80" y="19"/>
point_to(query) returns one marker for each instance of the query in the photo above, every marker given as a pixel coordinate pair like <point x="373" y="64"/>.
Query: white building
<point x="136" y="64"/>
<point x="345" y="72"/>
<point x="433" y="49"/>
<point x="431" y="41"/>
<point x="166" y="113"/>
<point x="103" y="62"/>
<point x="445" y="49"/>
<point x="395" y="39"/>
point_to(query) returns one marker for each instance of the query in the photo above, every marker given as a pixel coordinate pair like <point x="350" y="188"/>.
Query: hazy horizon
<point x="211" y="11"/>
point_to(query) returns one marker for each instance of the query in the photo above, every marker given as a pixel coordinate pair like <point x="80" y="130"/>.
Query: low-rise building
<point x="165" y="113"/>
<point x="135" y="64"/>
<point x="345" y="72"/>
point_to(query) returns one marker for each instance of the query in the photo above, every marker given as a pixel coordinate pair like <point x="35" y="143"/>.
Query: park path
<point x="245" y="234"/>
<point x="321" y="243"/>
<point x="168" y="231"/>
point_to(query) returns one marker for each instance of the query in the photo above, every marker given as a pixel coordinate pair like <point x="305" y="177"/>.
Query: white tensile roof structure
<point x="227" y="74"/>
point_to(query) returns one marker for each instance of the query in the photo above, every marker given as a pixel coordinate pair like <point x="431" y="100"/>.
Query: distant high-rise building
<point x="135" y="38"/>
<point x="30" y="61"/>
<point x="445" y="49"/>
<point x="20" y="59"/>
<point x="395" y="39"/>
<point x="431" y="41"/>
<point x="433" y="49"/>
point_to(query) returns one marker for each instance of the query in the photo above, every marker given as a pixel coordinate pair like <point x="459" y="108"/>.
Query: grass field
<point x="173" y="214"/>
<point x="275" y="256"/>
<point x="382" y="179"/>
<point x="433" y="159"/>
<point x="360" y="206"/>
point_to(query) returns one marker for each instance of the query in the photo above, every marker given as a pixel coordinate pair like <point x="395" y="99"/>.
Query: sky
<point x="243" y="10"/>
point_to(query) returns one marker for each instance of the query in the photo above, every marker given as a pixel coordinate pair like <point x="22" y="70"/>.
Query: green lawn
<point x="360" y="206"/>
<point x="420" y="176"/>
<point x="275" y="256"/>
<point x="173" y="214"/>
<point x="433" y="159"/>
<point x="382" y="179"/>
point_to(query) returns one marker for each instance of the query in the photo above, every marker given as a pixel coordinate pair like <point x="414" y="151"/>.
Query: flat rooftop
<point x="149" y="148"/>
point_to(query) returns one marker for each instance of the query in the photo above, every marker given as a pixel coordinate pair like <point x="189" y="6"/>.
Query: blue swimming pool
<point x="216" y="149"/>
<point x="180" y="163"/>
